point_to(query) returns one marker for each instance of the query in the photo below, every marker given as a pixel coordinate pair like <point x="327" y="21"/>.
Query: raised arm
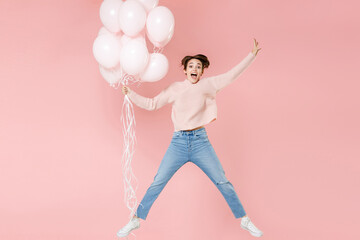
<point x="222" y="80"/>
<point x="148" y="103"/>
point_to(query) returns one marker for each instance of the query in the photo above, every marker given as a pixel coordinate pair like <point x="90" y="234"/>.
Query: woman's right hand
<point x="125" y="90"/>
<point x="256" y="47"/>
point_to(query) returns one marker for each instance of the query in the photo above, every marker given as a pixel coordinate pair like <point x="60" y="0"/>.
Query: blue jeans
<point x="190" y="146"/>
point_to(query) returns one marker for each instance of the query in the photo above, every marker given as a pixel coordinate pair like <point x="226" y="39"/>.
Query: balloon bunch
<point x="120" y="47"/>
<point x="123" y="57"/>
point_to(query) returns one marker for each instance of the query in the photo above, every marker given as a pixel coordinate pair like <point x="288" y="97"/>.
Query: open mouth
<point x="193" y="75"/>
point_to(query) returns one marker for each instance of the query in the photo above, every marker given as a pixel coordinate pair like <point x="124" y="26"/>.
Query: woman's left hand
<point x="256" y="47"/>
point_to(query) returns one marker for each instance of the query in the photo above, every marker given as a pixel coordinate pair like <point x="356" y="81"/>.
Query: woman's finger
<point x="124" y="90"/>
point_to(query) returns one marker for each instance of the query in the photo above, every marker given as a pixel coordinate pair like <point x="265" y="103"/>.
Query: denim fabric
<point x="190" y="146"/>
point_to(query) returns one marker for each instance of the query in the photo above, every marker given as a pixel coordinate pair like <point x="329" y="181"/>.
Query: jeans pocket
<point x="176" y="134"/>
<point x="202" y="137"/>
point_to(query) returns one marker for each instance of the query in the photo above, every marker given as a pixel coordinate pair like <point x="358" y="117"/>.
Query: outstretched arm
<point x="222" y="80"/>
<point x="148" y="103"/>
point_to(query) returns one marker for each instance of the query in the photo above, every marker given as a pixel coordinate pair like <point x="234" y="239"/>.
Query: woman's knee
<point x="222" y="182"/>
<point x="224" y="185"/>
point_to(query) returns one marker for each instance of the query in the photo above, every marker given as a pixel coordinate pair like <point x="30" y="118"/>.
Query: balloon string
<point x="158" y="49"/>
<point x="126" y="79"/>
<point x="129" y="179"/>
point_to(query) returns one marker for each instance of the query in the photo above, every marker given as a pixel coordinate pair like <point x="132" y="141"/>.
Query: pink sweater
<point x="193" y="105"/>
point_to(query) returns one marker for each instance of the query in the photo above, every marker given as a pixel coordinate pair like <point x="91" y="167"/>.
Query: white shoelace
<point x="250" y="225"/>
<point x="132" y="224"/>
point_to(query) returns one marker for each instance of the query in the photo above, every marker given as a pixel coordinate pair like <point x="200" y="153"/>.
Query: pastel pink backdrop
<point x="287" y="132"/>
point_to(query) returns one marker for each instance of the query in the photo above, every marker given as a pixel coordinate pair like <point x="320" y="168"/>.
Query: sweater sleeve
<point x="220" y="81"/>
<point x="151" y="103"/>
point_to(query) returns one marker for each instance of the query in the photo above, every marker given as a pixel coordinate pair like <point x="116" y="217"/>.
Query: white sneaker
<point x="249" y="226"/>
<point x="132" y="225"/>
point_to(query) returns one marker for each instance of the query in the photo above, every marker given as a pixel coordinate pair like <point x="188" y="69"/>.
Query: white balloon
<point x="109" y="14"/>
<point x="160" y="26"/>
<point x="156" y="69"/>
<point x="132" y="17"/>
<point x="118" y="35"/>
<point x="106" y="50"/>
<point x="103" y="30"/>
<point x="134" y="57"/>
<point x="125" y="39"/>
<point x="149" y="4"/>
<point x="111" y="75"/>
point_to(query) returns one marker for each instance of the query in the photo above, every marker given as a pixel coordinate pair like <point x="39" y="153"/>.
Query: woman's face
<point x="194" y="70"/>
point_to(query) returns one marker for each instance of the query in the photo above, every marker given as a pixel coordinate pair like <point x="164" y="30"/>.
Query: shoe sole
<point x="252" y="233"/>
<point x="125" y="235"/>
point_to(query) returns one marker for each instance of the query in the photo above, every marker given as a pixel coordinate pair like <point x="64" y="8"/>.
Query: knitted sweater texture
<point x="193" y="105"/>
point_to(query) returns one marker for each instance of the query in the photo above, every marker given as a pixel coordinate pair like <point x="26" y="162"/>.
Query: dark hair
<point x="204" y="60"/>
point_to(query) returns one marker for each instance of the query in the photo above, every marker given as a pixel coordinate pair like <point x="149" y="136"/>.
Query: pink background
<point x="287" y="132"/>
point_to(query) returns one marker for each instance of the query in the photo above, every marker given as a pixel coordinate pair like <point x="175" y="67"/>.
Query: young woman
<point x="193" y="106"/>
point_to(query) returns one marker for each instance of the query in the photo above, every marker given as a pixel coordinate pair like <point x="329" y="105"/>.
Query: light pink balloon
<point x="103" y="30"/>
<point x="149" y="4"/>
<point x="125" y="39"/>
<point x="160" y="26"/>
<point x="132" y="17"/>
<point x="111" y="75"/>
<point x="156" y="69"/>
<point x="109" y="14"/>
<point x="134" y="57"/>
<point x="106" y="50"/>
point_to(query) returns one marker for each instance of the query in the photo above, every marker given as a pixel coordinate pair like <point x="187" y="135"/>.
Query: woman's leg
<point x="175" y="157"/>
<point x="204" y="156"/>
